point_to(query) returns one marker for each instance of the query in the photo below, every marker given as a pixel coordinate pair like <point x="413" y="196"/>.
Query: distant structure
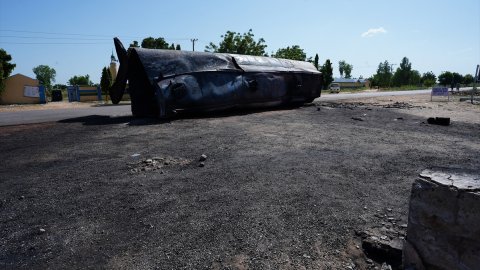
<point x="21" y="89"/>
<point x="113" y="66"/>
<point x="352" y="83"/>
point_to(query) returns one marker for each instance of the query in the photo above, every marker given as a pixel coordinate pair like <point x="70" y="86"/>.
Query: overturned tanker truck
<point x="164" y="82"/>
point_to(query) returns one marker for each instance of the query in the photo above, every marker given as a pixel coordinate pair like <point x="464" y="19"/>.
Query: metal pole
<point x="475" y="79"/>
<point x="193" y="43"/>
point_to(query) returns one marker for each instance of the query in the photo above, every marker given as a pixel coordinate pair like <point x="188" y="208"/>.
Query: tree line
<point x="404" y="75"/>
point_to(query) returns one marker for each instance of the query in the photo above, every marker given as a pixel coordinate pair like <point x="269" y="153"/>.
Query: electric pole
<point x="391" y="71"/>
<point x="193" y="42"/>
<point x="391" y="67"/>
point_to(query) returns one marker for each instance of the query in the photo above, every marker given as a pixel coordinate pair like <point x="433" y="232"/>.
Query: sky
<point x="75" y="37"/>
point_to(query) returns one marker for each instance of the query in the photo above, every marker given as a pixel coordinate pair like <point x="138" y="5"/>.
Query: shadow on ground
<point x="100" y="120"/>
<point x="97" y="120"/>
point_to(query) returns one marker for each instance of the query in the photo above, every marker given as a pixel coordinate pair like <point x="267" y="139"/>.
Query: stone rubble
<point x="157" y="164"/>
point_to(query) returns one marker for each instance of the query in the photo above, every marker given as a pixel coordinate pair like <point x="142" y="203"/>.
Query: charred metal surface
<point x="162" y="82"/>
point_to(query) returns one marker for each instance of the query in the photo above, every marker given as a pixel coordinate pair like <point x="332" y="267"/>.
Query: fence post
<point x="99" y="93"/>
<point x="77" y="90"/>
<point x="475" y="79"/>
<point x="41" y="92"/>
<point x="72" y="94"/>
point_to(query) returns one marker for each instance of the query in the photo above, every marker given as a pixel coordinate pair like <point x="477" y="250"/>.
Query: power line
<point x="54" y="43"/>
<point x="7" y="36"/>
<point x="65" y="38"/>
<point x="56" y="33"/>
<point x="85" y="35"/>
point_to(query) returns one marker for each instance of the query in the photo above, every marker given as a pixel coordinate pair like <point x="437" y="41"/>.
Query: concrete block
<point x="444" y="219"/>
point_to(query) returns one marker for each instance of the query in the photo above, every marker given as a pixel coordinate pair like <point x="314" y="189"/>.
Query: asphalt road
<point x="41" y="116"/>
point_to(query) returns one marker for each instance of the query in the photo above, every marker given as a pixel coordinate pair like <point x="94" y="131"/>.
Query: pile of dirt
<point x="157" y="163"/>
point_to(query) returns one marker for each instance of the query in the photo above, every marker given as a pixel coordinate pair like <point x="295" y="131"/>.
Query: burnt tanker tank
<point x="163" y="82"/>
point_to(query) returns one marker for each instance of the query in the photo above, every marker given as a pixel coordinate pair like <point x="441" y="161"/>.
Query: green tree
<point x="315" y="62"/>
<point x="6" y="68"/>
<point x="344" y="67"/>
<point x="45" y="75"/>
<point x="383" y="76"/>
<point x="468" y="79"/>
<point x="457" y="78"/>
<point x="80" y="80"/>
<point x="134" y="44"/>
<point x="106" y="82"/>
<point x="341" y="67"/>
<point x="178" y="48"/>
<point x="327" y="72"/>
<point x="415" y="77"/>
<point x="293" y="53"/>
<point x="445" y="78"/>
<point x="238" y="43"/>
<point x="428" y="79"/>
<point x="155" y="43"/>
<point x="348" y="71"/>
<point x="403" y="74"/>
<point x="59" y="86"/>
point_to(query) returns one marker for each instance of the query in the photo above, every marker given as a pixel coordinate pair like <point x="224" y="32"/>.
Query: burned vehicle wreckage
<point x="163" y="82"/>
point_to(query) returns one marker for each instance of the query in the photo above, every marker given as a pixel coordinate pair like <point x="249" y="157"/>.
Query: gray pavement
<point x="40" y="116"/>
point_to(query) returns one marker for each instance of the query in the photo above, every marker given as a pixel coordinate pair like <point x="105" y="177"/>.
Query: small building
<point x="351" y="83"/>
<point x="21" y="89"/>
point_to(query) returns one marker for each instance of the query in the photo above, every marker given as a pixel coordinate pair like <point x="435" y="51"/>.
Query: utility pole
<point x="475" y="80"/>
<point x="193" y="42"/>
<point x="391" y="71"/>
<point x="391" y="67"/>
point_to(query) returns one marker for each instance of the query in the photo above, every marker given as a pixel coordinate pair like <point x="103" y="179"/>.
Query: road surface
<point x="40" y="116"/>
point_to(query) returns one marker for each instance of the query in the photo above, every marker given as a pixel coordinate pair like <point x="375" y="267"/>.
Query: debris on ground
<point x="367" y="106"/>
<point x="385" y="266"/>
<point x="342" y="105"/>
<point x="357" y="118"/>
<point x="157" y="163"/>
<point x="442" y="121"/>
<point x="383" y="243"/>
<point x="399" y="105"/>
<point x="384" y="249"/>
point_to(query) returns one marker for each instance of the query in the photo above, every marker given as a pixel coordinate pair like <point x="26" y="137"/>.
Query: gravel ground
<point x="283" y="189"/>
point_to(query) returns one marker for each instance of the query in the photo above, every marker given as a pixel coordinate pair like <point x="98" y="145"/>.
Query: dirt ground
<point x="282" y="189"/>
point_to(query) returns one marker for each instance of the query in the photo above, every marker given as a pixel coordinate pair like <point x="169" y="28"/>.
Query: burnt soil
<point x="281" y="189"/>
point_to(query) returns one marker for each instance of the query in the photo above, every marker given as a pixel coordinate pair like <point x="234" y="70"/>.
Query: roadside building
<point x="351" y="83"/>
<point x="21" y="89"/>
